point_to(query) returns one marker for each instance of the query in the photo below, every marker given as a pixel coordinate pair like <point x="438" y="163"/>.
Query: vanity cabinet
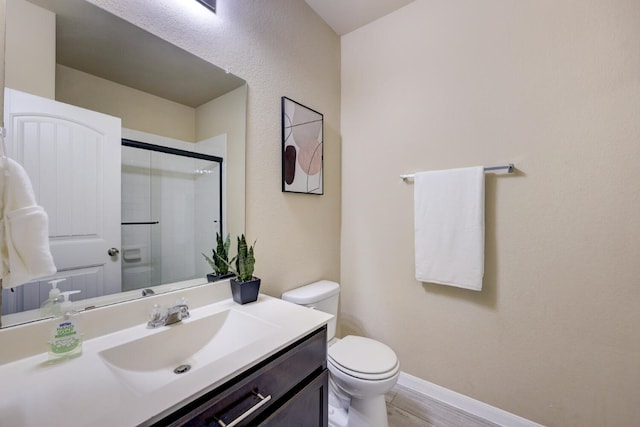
<point x="289" y="388"/>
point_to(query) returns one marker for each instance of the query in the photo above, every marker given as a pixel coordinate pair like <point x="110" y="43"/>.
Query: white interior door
<point x="72" y="157"/>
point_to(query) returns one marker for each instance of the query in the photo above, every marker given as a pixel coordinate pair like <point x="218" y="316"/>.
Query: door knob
<point x="113" y="252"/>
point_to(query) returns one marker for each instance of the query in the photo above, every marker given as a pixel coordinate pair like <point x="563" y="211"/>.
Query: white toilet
<point x="361" y="370"/>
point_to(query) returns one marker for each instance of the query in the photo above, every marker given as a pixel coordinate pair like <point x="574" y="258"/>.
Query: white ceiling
<point x="345" y="16"/>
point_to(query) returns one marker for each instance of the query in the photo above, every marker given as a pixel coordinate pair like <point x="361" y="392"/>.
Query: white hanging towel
<point x="24" y="232"/>
<point x="449" y="227"/>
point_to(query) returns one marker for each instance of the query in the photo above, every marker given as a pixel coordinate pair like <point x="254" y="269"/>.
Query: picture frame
<point x="302" y="149"/>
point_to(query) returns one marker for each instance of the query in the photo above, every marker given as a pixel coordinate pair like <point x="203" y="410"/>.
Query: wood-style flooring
<point x="406" y="408"/>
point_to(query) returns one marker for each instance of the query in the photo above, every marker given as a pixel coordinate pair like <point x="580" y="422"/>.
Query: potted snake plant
<point x="244" y="286"/>
<point x="219" y="262"/>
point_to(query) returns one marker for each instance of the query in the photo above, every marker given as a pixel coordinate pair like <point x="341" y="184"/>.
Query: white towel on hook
<point x="449" y="227"/>
<point x="24" y="232"/>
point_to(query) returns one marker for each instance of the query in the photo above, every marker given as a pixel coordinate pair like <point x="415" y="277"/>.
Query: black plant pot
<point x="244" y="292"/>
<point x="211" y="277"/>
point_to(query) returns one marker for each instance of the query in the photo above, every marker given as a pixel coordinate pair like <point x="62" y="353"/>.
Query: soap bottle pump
<point x="66" y="306"/>
<point x="66" y="337"/>
<point x="51" y="307"/>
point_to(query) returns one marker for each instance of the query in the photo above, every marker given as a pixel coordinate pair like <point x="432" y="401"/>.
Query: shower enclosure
<point x="171" y="211"/>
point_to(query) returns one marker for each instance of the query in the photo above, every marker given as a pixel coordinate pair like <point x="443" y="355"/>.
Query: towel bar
<point x="510" y="169"/>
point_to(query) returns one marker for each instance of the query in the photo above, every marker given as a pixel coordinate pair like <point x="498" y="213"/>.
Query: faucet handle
<point x="184" y="311"/>
<point x="156" y="314"/>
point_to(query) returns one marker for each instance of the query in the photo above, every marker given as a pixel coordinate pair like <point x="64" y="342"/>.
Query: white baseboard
<point x="464" y="403"/>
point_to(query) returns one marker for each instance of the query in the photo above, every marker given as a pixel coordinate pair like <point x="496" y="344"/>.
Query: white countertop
<point x="85" y="391"/>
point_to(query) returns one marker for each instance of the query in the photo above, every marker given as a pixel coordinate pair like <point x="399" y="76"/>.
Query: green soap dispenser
<point x="66" y="337"/>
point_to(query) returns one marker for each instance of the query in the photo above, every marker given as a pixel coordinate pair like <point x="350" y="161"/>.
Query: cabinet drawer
<point x="259" y="390"/>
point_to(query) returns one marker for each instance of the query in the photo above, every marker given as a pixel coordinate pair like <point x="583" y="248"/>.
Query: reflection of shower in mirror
<point x="168" y="195"/>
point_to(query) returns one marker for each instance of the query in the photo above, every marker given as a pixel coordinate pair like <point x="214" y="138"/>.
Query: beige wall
<point x="554" y="86"/>
<point x="226" y="114"/>
<point x="2" y="59"/>
<point x="30" y="71"/>
<point x="138" y="110"/>
<point x="281" y="49"/>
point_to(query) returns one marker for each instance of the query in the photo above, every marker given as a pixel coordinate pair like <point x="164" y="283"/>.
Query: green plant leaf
<point x="219" y="262"/>
<point x="245" y="260"/>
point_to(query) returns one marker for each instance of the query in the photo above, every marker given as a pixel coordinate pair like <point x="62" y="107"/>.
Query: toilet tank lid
<point x="311" y="293"/>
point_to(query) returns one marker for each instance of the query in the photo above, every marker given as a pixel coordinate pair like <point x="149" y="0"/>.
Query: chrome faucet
<point x="158" y="317"/>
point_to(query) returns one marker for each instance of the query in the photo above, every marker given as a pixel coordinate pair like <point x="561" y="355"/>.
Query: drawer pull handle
<point x="263" y="401"/>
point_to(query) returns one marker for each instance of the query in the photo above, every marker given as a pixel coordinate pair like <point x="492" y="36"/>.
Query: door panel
<point x="72" y="157"/>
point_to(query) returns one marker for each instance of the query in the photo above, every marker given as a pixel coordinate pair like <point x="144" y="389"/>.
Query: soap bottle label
<point x="66" y="338"/>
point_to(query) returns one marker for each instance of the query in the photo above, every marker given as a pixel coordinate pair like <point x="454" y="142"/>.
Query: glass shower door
<point x="171" y="211"/>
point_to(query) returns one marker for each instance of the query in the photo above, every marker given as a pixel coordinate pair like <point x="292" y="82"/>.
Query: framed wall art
<point x="302" y="148"/>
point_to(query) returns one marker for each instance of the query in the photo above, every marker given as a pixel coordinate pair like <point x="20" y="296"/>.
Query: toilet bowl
<point x="361" y="370"/>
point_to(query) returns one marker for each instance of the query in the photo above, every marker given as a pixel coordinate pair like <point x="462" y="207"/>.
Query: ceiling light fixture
<point x="210" y="4"/>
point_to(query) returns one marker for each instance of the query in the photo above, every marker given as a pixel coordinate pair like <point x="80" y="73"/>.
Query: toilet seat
<point x="363" y="358"/>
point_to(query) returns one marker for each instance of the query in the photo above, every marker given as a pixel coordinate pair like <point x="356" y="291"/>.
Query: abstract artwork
<point x="302" y="164"/>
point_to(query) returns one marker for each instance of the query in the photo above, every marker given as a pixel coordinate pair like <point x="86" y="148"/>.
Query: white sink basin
<point x="148" y="363"/>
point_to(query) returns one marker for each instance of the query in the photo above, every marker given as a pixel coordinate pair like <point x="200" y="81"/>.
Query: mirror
<point x="76" y="53"/>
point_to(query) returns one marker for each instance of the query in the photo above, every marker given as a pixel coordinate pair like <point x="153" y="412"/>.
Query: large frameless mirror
<point x="178" y="177"/>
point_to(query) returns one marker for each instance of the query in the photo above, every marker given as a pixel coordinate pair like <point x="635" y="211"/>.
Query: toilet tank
<point x="322" y="295"/>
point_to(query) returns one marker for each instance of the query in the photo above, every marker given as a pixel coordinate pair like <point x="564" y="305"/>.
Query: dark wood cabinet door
<point x="307" y="408"/>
